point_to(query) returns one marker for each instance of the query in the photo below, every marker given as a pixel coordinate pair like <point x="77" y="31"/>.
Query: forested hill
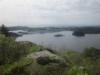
<point x="85" y="29"/>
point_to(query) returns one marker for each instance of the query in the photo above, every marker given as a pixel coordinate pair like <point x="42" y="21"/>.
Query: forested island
<point x="26" y="58"/>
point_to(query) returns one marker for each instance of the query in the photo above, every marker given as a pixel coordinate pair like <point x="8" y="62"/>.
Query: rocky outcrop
<point x="45" y="57"/>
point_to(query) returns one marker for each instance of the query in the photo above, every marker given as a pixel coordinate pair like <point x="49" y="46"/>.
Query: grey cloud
<point x="90" y="6"/>
<point x="50" y="11"/>
<point x="66" y="6"/>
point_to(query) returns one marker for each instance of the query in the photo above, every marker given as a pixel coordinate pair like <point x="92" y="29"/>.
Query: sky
<point x="50" y="12"/>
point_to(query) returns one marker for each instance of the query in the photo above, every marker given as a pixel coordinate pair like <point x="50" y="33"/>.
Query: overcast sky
<point x="50" y="12"/>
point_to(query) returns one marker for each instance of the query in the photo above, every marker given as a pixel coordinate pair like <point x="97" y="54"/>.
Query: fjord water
<point x="65" y="42"/>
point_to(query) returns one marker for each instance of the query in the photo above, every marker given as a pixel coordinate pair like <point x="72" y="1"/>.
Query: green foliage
<point x="10" y="68"/>
<point x="54" y="69"/>
<point x="4" y="30"/>
<point x="72" y="56"/>
<point x="50" y="69"/>
<point x="10" y="50"/>
<point x="35" y="48"/>
<point x="78" y="70"/>
<point x="92" y="53"/>
<point x="96" y="67"/>
<point x="14" y="60"/>
<point x="89" y="60"/>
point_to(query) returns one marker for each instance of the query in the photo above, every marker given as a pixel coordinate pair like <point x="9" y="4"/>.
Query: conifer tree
<point x="4" y="30"/>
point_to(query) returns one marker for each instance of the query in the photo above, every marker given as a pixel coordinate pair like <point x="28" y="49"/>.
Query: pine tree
<point x="4" y="30"/>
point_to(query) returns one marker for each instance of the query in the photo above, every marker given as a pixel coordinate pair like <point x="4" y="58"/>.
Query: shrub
<point x="92" y="53"/>
<point x="4" y="30"/>
<point x="78" y="70"/>
<point x="10" y="50"/>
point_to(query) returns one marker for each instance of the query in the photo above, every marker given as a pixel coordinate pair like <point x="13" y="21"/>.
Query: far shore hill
<point x="84" y="29"/>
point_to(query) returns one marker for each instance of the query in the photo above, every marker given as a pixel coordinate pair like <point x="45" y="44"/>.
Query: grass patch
<point x="8" y="68"/>
<point x="36" y="48"/>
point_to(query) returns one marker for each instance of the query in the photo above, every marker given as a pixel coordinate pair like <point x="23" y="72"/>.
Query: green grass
<point x="8" y="68"/>
<point x="36" y="48"/>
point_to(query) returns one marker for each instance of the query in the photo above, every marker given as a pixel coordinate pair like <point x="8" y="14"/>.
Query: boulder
<point x="45" y="57"/>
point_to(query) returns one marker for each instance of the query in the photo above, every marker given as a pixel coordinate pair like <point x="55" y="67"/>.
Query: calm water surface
<point x="66" y="42"/>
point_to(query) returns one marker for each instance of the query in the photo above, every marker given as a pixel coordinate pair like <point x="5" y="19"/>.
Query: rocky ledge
<point x="45" y="57"/>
